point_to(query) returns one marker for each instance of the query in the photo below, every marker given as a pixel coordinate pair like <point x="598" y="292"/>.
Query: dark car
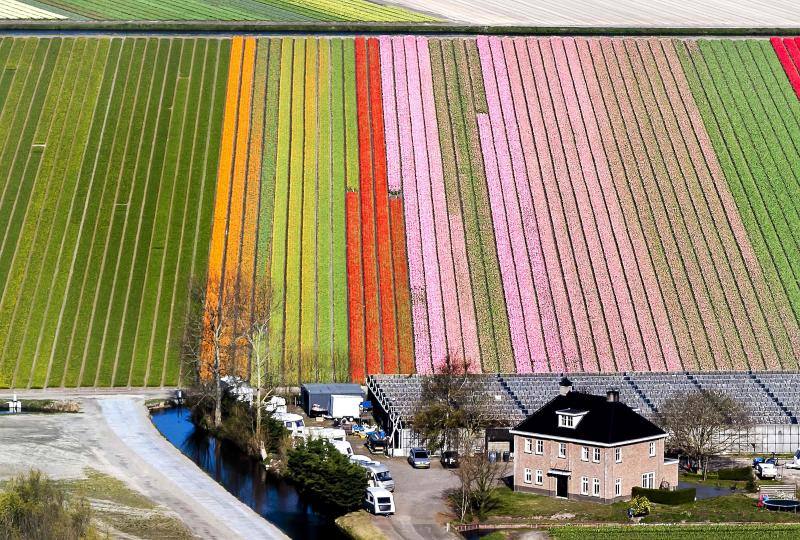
<point x="419" y="458"/>
<point x="449" y="459"/>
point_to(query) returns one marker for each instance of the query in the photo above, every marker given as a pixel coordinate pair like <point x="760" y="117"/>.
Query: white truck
<point x="767" y="470"/>
<point x="293" y="422"/>
<point x="344" y="406"/>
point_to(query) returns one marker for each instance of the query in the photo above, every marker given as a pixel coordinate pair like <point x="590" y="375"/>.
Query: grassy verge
<point x="738" y="532"/>
<point x="359" y="526"/>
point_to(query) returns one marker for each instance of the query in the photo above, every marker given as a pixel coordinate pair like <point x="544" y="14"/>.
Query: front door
<point x="561" y="486"/>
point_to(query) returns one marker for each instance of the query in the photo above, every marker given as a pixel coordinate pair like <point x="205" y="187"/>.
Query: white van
<point x="293" y="422"/>
<point x="343" y="447"/>
<point x="378" y="475"/>
<point x="379" y="501"/>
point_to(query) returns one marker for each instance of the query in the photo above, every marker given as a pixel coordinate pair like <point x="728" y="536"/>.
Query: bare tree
<point x="478" y="478"/>
<point x="255" y="336"/>
<point x="703" y="424"/>
<point x="449" y="416"/>
<point x="206" y="343"/>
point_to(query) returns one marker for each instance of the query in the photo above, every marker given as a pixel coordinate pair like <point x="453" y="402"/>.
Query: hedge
<point x="662" y="496"/>
<point x="735" y="473"/>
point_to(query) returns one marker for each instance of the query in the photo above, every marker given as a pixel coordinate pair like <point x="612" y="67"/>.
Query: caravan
<point x="293" y="422"/>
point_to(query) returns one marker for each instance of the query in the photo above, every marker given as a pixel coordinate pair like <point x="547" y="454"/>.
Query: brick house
<point x="581" y="446"/>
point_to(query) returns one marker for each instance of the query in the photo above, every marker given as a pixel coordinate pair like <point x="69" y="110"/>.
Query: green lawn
<point x="732" y="532"/>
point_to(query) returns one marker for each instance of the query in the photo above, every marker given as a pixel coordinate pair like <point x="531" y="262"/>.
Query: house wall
<point x="636" y="461"/>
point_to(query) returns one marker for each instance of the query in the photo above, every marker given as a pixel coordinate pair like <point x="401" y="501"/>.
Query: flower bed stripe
<point x="324" y="223"/>
<point x="592" y="340"/>
<point x="509" y="85"/>
<point x="661" y="349"/>
<point x="459" y="344"/>
<point x="355" y="287"/>
<point x="388" y="313"/>
<point x="745" y="309"/>
<point x="308" y="257"/>
<point x="405" y="328"/>
<point x="372" y="322"/>
<point x="704" y="327"/>
<point x="280" y="236"/>
<point x="222" y="203"/>
<point x="341" y="365"/>
<point x="469" y="330"/>
<point x="416" y="270"/>
<point x="436" y="315"/>
<point x="791" y="70"/>
<point x="495" y="340"/>
<point x="607" y="213"/>
<point x="292" y="351"/>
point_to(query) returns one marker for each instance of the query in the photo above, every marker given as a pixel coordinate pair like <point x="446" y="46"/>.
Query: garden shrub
<point x="640" y="506"/>
<point x="663" y="496"/>
<point x="735" y="473"/>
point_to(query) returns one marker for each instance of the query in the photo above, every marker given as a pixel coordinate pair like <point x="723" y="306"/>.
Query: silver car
<point x="419" y="458"/>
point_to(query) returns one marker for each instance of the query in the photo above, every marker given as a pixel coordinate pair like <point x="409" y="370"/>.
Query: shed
<point x="320" y="394"/>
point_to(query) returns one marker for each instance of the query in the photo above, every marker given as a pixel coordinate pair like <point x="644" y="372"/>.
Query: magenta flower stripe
<point x="604" y="317"/>
<point x="560" y="266"/>
<point x="416" y="270"/>
<point x="607" y="212"/>
<point x="505" y="257"/>
<point x="582" y="292"/>
<point x="450" y="295"/>
<point x="508" y="168"/>
<point x="390" y="116"/>
<point x="426" y="217"/>
<point x="515" y="115"/>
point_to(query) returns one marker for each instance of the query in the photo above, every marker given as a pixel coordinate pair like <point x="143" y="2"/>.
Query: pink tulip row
<point x="640" y="272"/>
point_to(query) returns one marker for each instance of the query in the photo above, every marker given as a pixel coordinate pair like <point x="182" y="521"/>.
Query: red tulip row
<point x="789" y="55"/>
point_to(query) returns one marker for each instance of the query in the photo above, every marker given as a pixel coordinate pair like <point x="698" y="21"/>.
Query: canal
<point x="245" y="478"/>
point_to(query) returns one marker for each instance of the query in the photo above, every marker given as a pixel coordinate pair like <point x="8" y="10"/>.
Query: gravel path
<point x="114" y="435"/>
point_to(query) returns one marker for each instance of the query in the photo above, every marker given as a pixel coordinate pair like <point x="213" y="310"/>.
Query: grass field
<point x="526" y="204"/>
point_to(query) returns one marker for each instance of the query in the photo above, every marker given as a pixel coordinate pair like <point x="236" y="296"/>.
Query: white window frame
<point x="565" y="420"/>
<point x="539" y="447"/>
<point x="617" y="455"/>
<point x="595" y="487"/>
<point x="652" y="448"/>
<point x="618" y="487"/>
<point x="539" y="477"/>
<point x="562" y="449"/>
<point x="596" y="455"/>
<point x="584" y="453"/>
<point x="649" y="480"/>
<point x="584" y="485"/>
<point x="528" y="446"/>
<point x="528" y="475"/>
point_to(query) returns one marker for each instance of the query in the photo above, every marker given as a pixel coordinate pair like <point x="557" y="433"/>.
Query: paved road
<point x="635" y="13"/>
<point x="114" y="435"/>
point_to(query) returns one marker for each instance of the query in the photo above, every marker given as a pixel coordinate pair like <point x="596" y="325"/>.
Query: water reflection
<point x="245" y="478"/>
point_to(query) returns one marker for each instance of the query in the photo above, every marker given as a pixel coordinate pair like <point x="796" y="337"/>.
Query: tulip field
<point x="198" y="10"/>
<point x="525" y="204"/>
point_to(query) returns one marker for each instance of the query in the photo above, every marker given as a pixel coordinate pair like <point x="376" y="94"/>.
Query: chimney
<point x="564" y="386"/>
<point x="612" y="396"/>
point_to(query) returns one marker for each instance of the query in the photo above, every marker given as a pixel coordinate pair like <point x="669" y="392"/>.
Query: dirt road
<point x="114" y="435"/>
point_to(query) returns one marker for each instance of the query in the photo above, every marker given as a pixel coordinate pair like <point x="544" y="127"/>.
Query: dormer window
<point x="569" y="418"/>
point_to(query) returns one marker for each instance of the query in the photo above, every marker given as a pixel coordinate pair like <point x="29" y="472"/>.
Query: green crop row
<point x="731" y="126"/>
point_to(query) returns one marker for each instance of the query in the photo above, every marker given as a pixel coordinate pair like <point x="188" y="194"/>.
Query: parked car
<point x="419" y="458"/>
<point x="450" y="459"/>
<point x="379" y="501"/>
<point x="378" y="475"/>
<point x="766" y="470"/>
<point x="377" y="441"/>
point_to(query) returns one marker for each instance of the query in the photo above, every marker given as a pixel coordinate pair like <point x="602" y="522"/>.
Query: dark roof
<point x="605" y="422"/>
<point x="333" y="388"/>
